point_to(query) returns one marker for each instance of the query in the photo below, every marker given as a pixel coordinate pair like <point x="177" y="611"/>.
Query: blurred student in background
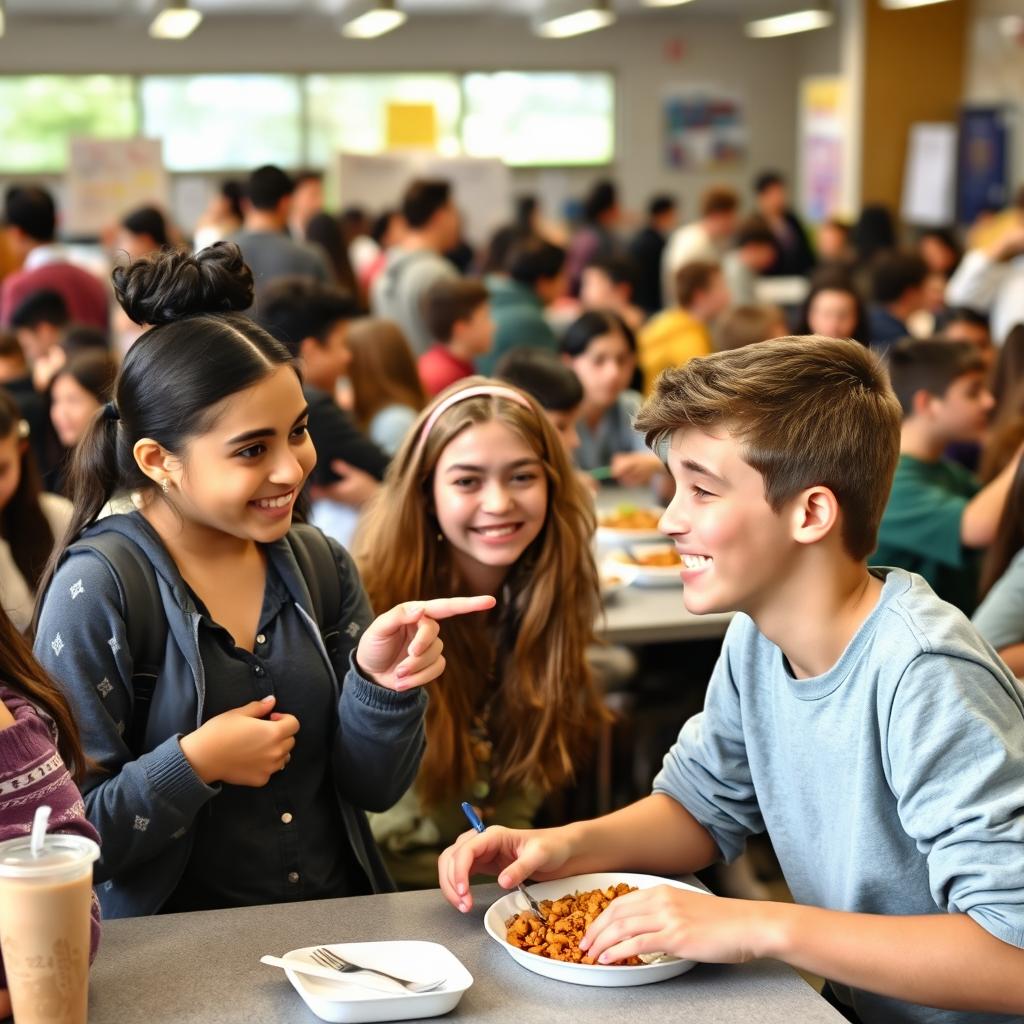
<point x="78" y="391"/>
<point x="458" y="314"/>
<point x="794" y="255"/>
<point x="834" y="309"/>
<point x="387" y="394"/>
<point x="705" y="240"/>
<point x="31" y="520"/>
<point x="648" y="247"/>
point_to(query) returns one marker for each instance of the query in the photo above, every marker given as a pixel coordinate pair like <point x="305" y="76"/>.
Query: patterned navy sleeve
<point x="138" y="805"/>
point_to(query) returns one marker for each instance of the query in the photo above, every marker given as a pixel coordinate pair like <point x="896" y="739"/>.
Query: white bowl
<point x="499" y="913"/>
<point x="608" y="537"/>
<point x="647" y="575"/>
<point x="346" y="1002"/>
<point x="621" y="573"/>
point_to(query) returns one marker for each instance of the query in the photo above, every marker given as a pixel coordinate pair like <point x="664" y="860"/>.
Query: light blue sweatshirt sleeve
<point x="955" y="745"/>
<point x="1000" y="617"/>
<point x="389" y="427"/>
<point x="707" y="770"/>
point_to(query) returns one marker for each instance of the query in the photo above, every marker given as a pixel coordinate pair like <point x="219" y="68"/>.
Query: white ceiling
<point x="241" y="8"/>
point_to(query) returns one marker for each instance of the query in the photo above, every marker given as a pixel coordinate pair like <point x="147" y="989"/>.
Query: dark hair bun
<point x="173" y="284"/>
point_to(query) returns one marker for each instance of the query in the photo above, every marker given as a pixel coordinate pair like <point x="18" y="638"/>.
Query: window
<point x="349" y="112"/>
<point x="224" y="122"/>
<point x="534" y="119"/>
<point x="40" y="113"/>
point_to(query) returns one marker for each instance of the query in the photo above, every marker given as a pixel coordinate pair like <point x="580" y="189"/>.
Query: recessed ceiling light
<point x="804" y="20"/>
<point x="559" y="19"/>
<point x="368" y="20"/>
<point x="176" y="21"/>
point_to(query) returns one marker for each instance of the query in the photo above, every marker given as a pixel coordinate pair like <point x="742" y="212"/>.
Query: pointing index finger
<point x="449" y="607"/>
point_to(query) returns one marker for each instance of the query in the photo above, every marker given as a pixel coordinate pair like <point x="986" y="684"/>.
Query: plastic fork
<point x="328" y="958"/>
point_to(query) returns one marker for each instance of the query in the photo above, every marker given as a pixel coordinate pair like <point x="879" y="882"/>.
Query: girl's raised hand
<point x="402" y="648"/>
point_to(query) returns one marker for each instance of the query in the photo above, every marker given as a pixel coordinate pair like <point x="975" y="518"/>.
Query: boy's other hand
<point x="693" y="926"/>
<point x="514" y="855"/>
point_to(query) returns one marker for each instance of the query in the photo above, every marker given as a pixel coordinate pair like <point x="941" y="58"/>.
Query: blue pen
<point x="474" y="820"/>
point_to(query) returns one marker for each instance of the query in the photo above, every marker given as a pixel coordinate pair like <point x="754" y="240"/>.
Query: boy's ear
<point x="921" y="402"/>
<point x="815" y="514"/>
<point x="306" y="345"/>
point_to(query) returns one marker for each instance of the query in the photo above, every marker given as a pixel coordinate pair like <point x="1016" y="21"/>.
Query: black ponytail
<point x="199" y="350"/>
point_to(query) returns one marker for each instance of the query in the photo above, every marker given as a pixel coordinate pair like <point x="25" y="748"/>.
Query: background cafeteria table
<point x="204" y="969"/>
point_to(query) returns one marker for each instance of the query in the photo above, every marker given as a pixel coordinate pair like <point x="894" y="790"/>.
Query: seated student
<point x="752" y="256"/>
<point x="648" y="247"/>
<point x="679" y="334"/>
<point x="611" y="282"/>
<point x="1000" y="615"/>
<point x="536" y="279"/>
<point x="963" y="324"/>
<point x="853" y="715"/>
<point x="834" y="309"/>
<point x="30" y="229"/>
<point x="209" y="794"/>
<point x="386" y="392"/>
<point x="263" y="239"/>
<point x="31" y="520"/>
<point x="552" y="385"/>
<point x="312" y="320"/>
<point x="427" y="228"/>
<point x="601" y="350"/>
<point x="458" y="315"/>
<point x="939" y="517"/>
<point x="41" y="761"/>
<point x="1007" y="430"/>
<point x="142" y="231"/>
<point x="16" y="380"/>
<point x="897" y="293"/>
<point x="41" y="322"/>
<point x="515" y="712"/>
<point x="748" y="325"/>
<point x="78" y="391"/>
<point x="835" y="248"/>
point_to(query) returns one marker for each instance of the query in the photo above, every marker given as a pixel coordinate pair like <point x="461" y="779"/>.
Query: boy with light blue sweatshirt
<point x="853" y="715"/>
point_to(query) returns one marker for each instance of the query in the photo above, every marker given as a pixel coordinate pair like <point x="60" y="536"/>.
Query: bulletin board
<point x="481" y="187"/>
<point x="106" y="178"/>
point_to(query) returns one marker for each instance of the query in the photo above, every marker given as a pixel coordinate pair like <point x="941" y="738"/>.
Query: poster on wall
<point x="704" y="129"/>
<point x="822" y="116"/>
<point x="108" y="177"/>
<point x="983" y="161"/>
<point x="929" y="175"/>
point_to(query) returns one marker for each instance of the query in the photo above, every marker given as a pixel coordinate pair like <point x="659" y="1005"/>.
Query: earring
<point x="165" y="486"/>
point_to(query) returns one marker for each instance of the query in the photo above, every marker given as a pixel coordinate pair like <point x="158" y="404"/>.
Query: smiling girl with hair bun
<point x="241" y="706"/>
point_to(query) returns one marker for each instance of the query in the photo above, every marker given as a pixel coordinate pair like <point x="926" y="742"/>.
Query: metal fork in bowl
<point x="328" y="958"/>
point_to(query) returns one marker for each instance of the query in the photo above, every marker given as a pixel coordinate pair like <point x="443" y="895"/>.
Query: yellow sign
<point x="411" y="126"/>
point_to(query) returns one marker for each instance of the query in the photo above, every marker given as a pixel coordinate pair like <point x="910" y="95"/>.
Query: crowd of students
<point x="255" y="715"/>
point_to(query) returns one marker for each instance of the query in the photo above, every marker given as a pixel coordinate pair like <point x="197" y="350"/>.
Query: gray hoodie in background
<point x="399" y="290"/>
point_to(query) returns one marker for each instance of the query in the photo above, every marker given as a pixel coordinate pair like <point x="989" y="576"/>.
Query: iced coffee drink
<point x="45" y="905"/>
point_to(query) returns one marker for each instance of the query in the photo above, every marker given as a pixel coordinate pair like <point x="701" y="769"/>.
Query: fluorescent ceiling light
<point x="664" y="3"/>
<point x="559" y="19"/>
<point x="787" y="24"/>
<point x="176" y="21"/>
<point x="369" y="20"/>
<point x="898" y="5"/>
<point x="2" y="18"/>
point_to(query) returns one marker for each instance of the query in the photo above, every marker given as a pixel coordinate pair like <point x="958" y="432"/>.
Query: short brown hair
<point x="719" y="199"/>
<point x="692" y="278"/>
<point x="807" y="411"/>
<point x="930" y="365"/>
<point x="448" y="302"/>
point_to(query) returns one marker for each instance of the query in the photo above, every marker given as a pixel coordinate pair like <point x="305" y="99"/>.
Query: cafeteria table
<point x="203" y="968"/>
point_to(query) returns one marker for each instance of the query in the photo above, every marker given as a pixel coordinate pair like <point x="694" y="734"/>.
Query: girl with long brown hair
<point x="386" y="388"/>
<point x="482" y="494"/>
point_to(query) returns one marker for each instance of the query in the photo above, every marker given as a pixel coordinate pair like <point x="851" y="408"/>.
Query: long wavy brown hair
<point x="529" y="660"/>
<point x="22" y="673"/>
<point x="383" y="370"/>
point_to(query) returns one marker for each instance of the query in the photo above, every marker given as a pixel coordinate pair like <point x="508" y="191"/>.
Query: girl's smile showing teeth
<point x="279" y="503"/>
<point x="497" y="532"/>
<point x="696" y="561"/>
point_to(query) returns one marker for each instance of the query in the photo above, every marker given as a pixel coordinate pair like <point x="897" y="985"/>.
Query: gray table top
<point x="204" y="969"/>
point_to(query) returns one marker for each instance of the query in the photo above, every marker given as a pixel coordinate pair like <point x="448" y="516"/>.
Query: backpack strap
<point x="315" y="558"/>
<point x="145" y="623"/>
